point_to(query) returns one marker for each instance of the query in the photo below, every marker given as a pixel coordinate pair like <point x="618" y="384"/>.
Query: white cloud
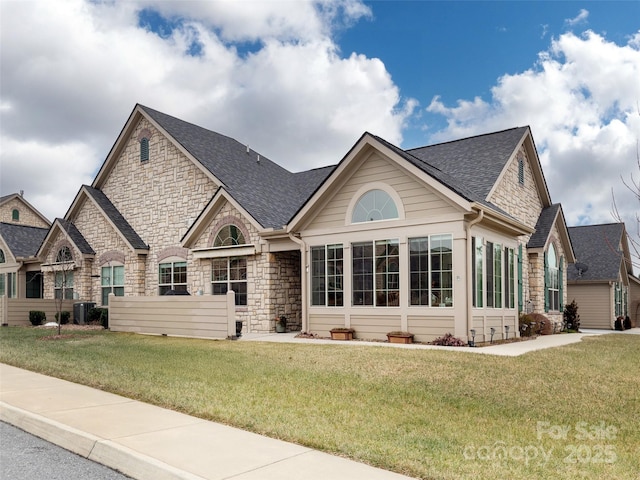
<point x="266" y="73"/>
<point x="578" y="19"/>
<point x="581" y="101"/>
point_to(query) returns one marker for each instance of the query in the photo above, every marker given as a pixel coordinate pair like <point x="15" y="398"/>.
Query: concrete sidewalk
<point x="148" y="442"/>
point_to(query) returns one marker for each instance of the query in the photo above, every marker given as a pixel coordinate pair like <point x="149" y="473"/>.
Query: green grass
<point x="428" y="414"/>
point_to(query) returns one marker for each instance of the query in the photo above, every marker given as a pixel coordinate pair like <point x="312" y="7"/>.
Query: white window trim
<point x="375" y="186"/>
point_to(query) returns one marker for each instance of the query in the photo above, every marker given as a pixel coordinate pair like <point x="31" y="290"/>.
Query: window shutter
<point x="546" y="283"/>
<point x="560" y="283"/>
<point x="520" y="286"/>
<point x="144" y="149"/>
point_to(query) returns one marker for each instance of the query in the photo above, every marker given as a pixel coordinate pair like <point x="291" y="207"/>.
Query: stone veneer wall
<point x="27" y="216"/>
<point x="81" y="270"/>
<point x="523" y="202"/>
<point x="160" y="198"/>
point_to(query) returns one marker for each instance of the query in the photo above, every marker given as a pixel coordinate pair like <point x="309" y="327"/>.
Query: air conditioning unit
<point x="81" y="312"/>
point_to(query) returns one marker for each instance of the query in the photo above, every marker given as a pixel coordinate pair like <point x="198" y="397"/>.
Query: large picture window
<point x="327" y="276"/>
<point x="376" y="273"/>
<point x="477" y="270"/>
<point x="431" y="271"/>
<point x="553" y="280"/>
<point x="494" y="274"/>
<point x="112" y="281"/>
<point x="230" y="273"/>
<point x="172" y="276"/>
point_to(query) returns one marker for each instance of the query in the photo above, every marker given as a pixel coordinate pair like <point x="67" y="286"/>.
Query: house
<point x="600" y="280"/>
<point x="453" y="237"/>
<point x="22" y="229"/>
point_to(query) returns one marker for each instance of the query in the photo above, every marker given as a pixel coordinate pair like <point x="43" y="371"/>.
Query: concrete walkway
<point x="148" y="442"/>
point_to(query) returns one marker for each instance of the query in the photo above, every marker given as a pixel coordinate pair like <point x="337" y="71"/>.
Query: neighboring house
<point x="599" y="281"/>
<point x="22" y="229"/>
<point x="453" y="237"/>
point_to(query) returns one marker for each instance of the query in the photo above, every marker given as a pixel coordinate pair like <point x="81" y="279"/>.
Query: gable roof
<point x="76" y="237"/>
<point x="596" y="246"/>
<point x="23" y="241"/>
<point x="267" y="191"/>
<point x="461" y="158"/>
<point x="116" y="218"/>
<point x="6" y="198"/>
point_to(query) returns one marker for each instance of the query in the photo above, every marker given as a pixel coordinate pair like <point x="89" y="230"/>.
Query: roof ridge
<point x="467" y="138"/>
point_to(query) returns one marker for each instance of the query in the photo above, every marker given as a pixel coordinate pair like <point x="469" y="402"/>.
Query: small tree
<point x="571" y="317"/>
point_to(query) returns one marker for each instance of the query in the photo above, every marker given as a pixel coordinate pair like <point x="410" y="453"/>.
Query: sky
<point x="300" y="81"/>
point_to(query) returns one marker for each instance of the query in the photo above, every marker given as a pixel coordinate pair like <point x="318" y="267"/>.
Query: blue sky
<point x="300" y="81"/>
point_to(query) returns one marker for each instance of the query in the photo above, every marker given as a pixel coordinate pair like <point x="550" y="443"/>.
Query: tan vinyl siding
<point x="594" y="305"/>
<point x="427" y="329"/>
<point x="15" y="311"/>
<point x="321" y="324"/>
<point x="205" y="317"/>
<point x="416" y="197"/>
<point x="483" y="324"/>
<point x="374" y="327"/>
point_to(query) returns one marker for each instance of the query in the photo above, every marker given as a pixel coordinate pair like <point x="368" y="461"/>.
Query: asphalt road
<point x="25" y="457"/>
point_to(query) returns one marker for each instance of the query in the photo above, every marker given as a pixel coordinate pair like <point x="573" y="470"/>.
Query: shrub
<point x="571" y="317"/>
<point x="619" y="325"/>
<point x="448" y="340"/>
<point x="98" y="316"/>
<point x="37" y="317"/>
<point x="627" y="323"/>
<point x="535" y="324"/>
<point x="64" y="317"/>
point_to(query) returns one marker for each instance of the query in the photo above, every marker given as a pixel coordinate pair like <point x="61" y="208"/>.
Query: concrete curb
<point x="105" y="452"/>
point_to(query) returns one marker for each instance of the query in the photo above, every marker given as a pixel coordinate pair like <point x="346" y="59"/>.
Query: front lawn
<point x="568" y="412"/>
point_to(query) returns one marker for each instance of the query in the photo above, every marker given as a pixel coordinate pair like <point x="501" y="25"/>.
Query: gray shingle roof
<point x="116" y="218"/>
<point x="596" y="246"/>
<point x="76" y="237"/>
<point x="461" y="159"/>
<point x="543" y="226"/>
<point x="23" y="241"/>
<point x="270" y="193"/>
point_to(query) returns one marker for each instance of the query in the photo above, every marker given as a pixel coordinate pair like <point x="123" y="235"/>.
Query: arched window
<point x="2" y="257"/>
<point x="144" y="149"/>
<point x="229" y="235"/>
<point x="374" y="205"/>
<point x="15" y="215"/>
<point x="64" y="255"/>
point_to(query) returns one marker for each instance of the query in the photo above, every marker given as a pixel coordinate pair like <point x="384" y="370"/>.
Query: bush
<point x="619" y="325"/>
<point x="98" y="316"/>
<point x="627" y="323"/>
<point x="448" y="340"/>
<point x="64" y="316"/>
<point x="571" y="317"/>
<point x="534" y="324"/>
<point x="37" y="317"/>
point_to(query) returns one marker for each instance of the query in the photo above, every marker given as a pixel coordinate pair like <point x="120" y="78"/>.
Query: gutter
<point x="303" y="280"/>
<point x="468" y="226"/>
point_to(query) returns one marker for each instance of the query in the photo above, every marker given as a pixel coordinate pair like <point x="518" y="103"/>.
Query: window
<point x="385" y="290"/>
<point x="327" y="286"/>
<point x="374" y="205"/>
<point x="441" y="259"/>
<point x="552" y="280"/>
<point x="419" y="271"/>
<point x="494" y="275"/>
<point x="2" y="258"/>
<point x="64" y="255"/>
<point x="521" y="171"/>
<point x="172" y="276"/>
<point x="477" y="271"/>
<point x="112" y="281"/>
<point x="229" y="235"/>
<point x="509" y="279"/>
<point x="15" y="215"/>
<point x="144" y="149"/>
<point x="2" y="285"/>
<point x="63" y="285"/>
<point x="34" y="285"/>
<point x="12" y="285"/>
<point x="230" y="274"/>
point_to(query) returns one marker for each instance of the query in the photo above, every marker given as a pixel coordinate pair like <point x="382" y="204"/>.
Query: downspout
<point x="470" y="285"/>
<point x="303" y="279"/>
